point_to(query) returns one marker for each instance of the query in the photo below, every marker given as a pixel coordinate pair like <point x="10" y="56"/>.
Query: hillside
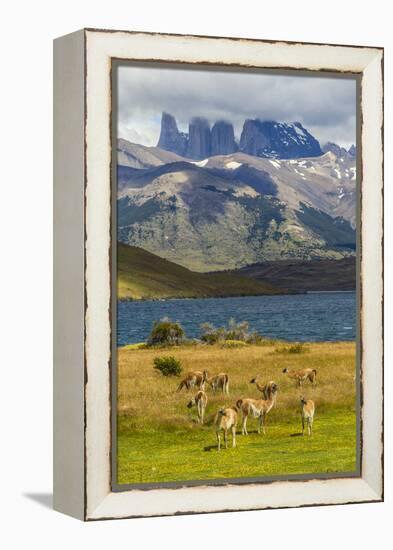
<point x="298" y="276"/>
<point x="229" y="211"/>
<point x="142" y="275"/>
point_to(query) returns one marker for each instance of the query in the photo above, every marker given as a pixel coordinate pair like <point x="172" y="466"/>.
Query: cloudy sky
<point x="325" y="106"/>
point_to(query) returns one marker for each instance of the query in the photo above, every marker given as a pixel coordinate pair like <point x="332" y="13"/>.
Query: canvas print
<point x="235" y="275"/>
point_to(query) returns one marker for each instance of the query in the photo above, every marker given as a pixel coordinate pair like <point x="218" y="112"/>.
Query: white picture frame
<point x="82" y="257"/>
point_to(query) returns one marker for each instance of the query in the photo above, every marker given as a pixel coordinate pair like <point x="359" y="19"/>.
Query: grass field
<point x="159" y="439"/>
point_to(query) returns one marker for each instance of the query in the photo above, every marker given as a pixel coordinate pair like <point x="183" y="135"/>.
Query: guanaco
<point x="199" y="401"/>
<point x="193" y="379"/>
<point x="225" y="420"/>
<point x="219" y="382"/>
<point x="259" y="408"/>
<point x="308" y="410"/>
<point x="264" y="389"/>
<point x="302" y="375"/>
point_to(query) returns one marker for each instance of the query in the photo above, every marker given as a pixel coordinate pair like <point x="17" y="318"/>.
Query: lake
<point x="312" y="317"/>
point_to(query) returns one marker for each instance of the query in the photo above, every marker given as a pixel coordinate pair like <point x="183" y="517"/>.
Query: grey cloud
<point x="325" y="105"/>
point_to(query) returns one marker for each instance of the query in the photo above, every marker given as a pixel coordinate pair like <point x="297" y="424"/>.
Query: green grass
<point x="180" y="455"/>
<point x="159" y="439"/>
<point x="142" y="275"/>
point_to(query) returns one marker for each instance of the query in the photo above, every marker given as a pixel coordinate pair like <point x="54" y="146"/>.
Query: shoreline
<point x="169" y="299"/>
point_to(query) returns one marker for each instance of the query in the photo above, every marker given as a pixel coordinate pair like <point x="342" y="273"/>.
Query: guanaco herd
<point x="226" y="418"/>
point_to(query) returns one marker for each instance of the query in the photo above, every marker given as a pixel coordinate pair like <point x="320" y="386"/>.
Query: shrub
<point x="166" y="332"/>
<point x="168" y="366"/>
<point x="211" y="334"/>
<point x="234" y="331"/>
<point x="237" y="331"/>
<point x="299" y="347"/>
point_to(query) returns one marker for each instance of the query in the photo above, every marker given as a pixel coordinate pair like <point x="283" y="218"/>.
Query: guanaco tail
<point x="302" y="375"/>
<point x="225" y="420"/>
<point x="258" y="408"/>
<point x="193" y="379"/>
<point x="199" y="401"/>
<point x="308" y="410"/>
<point x="264" y="389"/>
<point x="219" y="382"/>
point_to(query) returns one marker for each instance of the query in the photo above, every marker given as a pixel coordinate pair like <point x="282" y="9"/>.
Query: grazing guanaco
<point x="308" y="410"/>
<point x="225" y="420"/>
<point x="259" y="408"/>
<point x="302" y="375"/>
<point x="193" y="379"/>
<point x="219" y="382"/>
<point x="199" y="401"/>
<point x="264" y="389"/>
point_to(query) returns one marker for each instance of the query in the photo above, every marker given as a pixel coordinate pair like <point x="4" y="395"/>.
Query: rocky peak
<point x="335" y="149"/>
<point x="223" y="138"/>
<point x="339" y="152"/>
<point x="199" y="138"/>
<point x="269" y="138"/>
<point x="170" y="137"/>
<point x="352" y="151"/>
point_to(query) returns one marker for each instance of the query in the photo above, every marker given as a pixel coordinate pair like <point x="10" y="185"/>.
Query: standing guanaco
<point x="225" y="420"/>
<point x="259" y="408"/>
<point x="308" y="410"/>
<point x="199" y="401"/>
<point x="219" y="382"/>
<point x="193" y="379"/>
<point x="301" y="375"/>
<point x="264" y="389"/>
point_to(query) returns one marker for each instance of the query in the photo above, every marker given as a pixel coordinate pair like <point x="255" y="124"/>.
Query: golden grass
<point x="146" y="399"/>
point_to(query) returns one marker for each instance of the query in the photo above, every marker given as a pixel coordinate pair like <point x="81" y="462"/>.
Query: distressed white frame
<point x="100" y="48"/>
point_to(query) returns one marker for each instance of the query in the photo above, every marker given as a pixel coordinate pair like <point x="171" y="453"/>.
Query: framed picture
<point x="218" y="274"/>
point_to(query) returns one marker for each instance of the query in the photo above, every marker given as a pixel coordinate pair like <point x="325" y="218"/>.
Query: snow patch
<point x="338" y="173"/>
<point x="275" y="163"/>
<point x="232" y="165"/>
<point x="299" y="131"/>
<point x="200" y="163"/>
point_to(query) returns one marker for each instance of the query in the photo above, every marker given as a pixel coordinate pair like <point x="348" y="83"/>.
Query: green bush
<point x="211" y="334"/>
<point x="166" y="332"/>
<point x="168" y="366"/>
<point x="234" y="331"/>
<point x="299" y="347"/>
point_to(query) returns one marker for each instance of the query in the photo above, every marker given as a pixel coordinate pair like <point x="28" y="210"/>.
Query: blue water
<point x="302" y="317"/>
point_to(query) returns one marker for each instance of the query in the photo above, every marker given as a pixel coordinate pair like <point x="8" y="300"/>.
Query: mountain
<point x="229" y="211"/>
<point x="142" y="275"/>
<point x="199" y="139"/>
<point x="137" y="156"/>
<point x="340" y="152"/>
<point x="170" y="137"/>
<point x="278" y="140"/>
<point x="300" y="276"/>
<point x="267" y="139"/>
<point x="223" y="139"/>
